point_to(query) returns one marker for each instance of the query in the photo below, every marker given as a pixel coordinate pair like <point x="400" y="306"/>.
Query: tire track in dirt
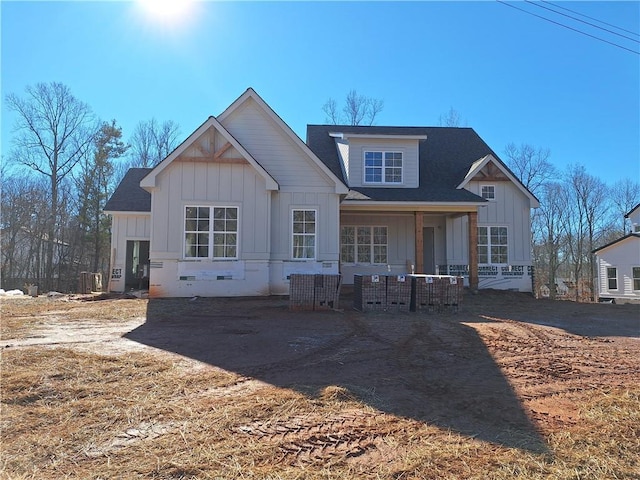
<point x="302" y="440"/>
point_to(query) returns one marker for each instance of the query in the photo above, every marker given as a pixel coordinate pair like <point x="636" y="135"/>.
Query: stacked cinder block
<point x="434" y="292"/>
<point x="451" y="291"/>
<point x="424" y="295"/>
<point x="301" y="291"/>
<point x="398" y="293"/>
<point x="326" y="292"/>
<point x="369" y="292"/>
<point x="313" y="291"/>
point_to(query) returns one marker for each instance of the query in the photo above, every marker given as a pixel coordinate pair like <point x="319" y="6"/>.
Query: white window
<point x="304" y="234"/>
<point x="207" y="237"/>
<point x="636" y="277"/>
<point x="612" y="278"/>
<point x="366" y="244"/>
<point x="488" y="192"/>
<point x="382" y="167"/>
<point x="493" y="245"/>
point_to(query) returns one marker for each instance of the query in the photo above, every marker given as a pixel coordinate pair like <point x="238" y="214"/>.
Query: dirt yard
<point x="506" y="387"/>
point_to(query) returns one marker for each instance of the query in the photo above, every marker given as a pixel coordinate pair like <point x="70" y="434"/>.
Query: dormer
<point x="379" y="160"/>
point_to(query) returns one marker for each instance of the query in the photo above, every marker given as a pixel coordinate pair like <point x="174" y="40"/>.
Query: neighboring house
<point x="634" y="218"/>
<point x="243" y="203"/>
<point x="618" y="265"/>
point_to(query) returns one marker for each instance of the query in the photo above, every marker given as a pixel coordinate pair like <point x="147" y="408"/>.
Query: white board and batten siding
<point x="302" y="185"/>
<point x="510" y="209"/>
<point x="264" y="259"/>
<point x="623" y="256"/>
<point x="285" y="161"/>
<point x="185" y="183"/>
<point x="125" y="227"/>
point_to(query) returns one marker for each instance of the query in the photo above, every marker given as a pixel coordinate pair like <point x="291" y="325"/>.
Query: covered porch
<point x="432" y="239"/>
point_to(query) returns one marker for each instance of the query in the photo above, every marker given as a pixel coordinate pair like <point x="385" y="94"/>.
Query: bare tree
<point x="357" y="110"/>
<point x="530" y="164"/>
<point x="54" y="130"/>
<point x="624" y="194"/>
<point x="590" y="201"/>
<point x="151" y="142"/>
<point x="549" y="237"/>
<point x="451" y="119"/>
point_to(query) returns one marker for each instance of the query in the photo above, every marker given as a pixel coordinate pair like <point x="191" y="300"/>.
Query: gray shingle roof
<point x="445" y="158"/>
<point x="129" y="196"/>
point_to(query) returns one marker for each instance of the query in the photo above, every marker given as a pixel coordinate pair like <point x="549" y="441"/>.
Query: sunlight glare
<point x="167" y="10"/>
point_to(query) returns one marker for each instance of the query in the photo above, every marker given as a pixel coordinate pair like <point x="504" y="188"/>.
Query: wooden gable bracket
<point x="221" y="151"/>
<point x="491" y="173"/>
<point x="217" y="156"/>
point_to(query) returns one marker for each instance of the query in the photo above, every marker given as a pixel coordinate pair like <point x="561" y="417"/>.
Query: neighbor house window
<point x="493" y="245"/>
<point x="366" y="244"/>
<point x="612" y="278"/>
<point x="207" y="237"/>
<point x="636" y="278"/>
<point x="488" y="192"/>
<point x="304" y="234"/>
<point x="382" y="167"/>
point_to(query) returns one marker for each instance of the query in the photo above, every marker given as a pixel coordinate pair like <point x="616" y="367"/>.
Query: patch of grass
<point x="67" y="414"/>
<point x="21" y="315"/>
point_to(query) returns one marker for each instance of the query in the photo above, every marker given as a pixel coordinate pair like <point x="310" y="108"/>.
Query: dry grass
<point x="73" y="415"/>
<point x="20" y="316"/>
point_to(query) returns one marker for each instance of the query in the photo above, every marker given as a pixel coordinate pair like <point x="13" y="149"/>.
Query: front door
<point x="137" y="266"/>
<point x="428" y="254"/>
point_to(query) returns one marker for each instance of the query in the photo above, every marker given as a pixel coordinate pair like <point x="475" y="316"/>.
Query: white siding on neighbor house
<point x="409" y="149"/>
<point x="124" y="227"/>
<point x="210" y="183"/>
<point x="276" y="152"/>
<point x="634" y="219"/>
<point x="623" y="256"/>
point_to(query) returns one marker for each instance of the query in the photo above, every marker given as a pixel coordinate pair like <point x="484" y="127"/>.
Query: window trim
<point x="210" y="232"/>
<point x="614" y="278"/>
<point x="371" y="244"/>
<point x="492" y="199"/>
<point x="383" y="167"/>
<point x="315" y="234"/>
<point x="635" y="279"/>
<point x="489" y="245"/>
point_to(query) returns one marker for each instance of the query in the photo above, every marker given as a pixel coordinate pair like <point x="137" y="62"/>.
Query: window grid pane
<point x="488" y="192"/>
<point x="612" y="278"/>
<point x="196" y="232"/>
<point x="493" y="245"/>
<point x="382" y="167"/>
<point x="367" y="245"/>
<point x="304" y="234"/>
<point x="225" y="232"/>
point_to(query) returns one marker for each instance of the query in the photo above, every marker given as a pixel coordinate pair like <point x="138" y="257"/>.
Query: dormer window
<point x="488" y="192"/>
<point x="382" y="167"/>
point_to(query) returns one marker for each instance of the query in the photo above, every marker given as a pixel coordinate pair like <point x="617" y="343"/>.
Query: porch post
<point x="419" y="243"/>
<point x="473" y="251"/>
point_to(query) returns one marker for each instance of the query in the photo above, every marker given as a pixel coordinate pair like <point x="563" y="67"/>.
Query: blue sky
<point x="511" y="76"/>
